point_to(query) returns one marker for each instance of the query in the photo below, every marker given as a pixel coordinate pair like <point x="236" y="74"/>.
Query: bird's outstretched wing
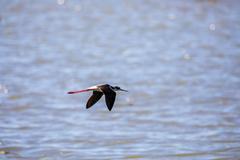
<point x="93" y="99"/>
<point x="110" y="96"/>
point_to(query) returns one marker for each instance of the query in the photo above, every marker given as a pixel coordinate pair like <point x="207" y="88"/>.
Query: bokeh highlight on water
<point x="179" y="60"/>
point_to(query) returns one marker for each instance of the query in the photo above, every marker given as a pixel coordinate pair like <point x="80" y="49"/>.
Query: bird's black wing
<point x="93" y="99"/>
<point x="110" y="96"/>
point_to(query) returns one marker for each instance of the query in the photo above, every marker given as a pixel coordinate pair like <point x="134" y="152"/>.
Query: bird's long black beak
<point x="123" y="90"/>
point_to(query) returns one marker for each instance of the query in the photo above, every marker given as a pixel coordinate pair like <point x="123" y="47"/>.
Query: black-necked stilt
<point x="98" y="91"/>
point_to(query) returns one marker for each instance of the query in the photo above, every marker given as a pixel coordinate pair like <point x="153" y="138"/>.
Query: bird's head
<point x="116" y="88"/>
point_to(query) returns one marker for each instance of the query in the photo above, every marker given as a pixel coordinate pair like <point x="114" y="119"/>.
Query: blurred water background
<point x="180" y="60"/>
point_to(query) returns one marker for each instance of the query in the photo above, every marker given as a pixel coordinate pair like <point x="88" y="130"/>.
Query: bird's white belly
<point x="96" y="88"/>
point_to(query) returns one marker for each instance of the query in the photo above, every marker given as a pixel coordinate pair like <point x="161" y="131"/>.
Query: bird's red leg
<point x="74" y="92"/>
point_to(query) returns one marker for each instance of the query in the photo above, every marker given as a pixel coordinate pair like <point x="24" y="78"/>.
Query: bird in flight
<point x="98" y="92"/>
